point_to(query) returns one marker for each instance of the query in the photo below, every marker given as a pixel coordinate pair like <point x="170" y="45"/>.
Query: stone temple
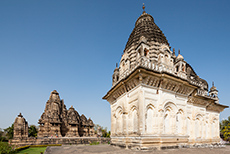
<point x="57" y="125"/>
<point x="56" y="120"/>
<point x="157" y="99"/>
<point x="20" y="127"/>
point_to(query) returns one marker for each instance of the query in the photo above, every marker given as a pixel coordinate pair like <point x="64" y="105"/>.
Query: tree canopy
<point x="33" y="131"/>
<point x="9" y="131"/>
<point x="104" y="131"/>
<point x="225" y="129"/>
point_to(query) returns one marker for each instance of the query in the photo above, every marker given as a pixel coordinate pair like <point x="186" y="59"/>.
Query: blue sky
<point x="72" y="46"/>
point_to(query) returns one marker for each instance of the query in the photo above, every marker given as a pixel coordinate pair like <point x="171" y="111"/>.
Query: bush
<point x="9" y="131"/>
<point x="5" y="148"/>
<point x="46" y="145"/>
<point x="3" y="139"/>
<point x="94" y="143"/>
<point x="225" y="129"/>
<point x="32" y="131"/>
<point x="22" y="148"/>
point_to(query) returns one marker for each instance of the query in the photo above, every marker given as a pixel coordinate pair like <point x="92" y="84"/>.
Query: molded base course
<point x="60" y="140"/>
<point x="163" y="142"/>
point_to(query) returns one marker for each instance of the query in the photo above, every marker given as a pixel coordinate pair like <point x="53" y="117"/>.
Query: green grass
<point x="33" y="150"/>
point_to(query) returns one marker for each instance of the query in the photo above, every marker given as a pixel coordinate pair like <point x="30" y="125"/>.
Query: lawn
<point x="33" y="150"/>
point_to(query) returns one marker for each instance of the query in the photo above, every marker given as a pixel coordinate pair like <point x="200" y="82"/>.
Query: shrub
<point x="46" y="145"/>
<point x="5" y="148"/>
<point x="32" y="131"/>
<point x="22" y="148"/>
<point x="9" y="131"/>
<point x="225" y="129"/>
<point x="94" y="143"/>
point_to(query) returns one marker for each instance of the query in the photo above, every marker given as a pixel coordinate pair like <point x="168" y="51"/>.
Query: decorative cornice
<point x="145" y="77"/>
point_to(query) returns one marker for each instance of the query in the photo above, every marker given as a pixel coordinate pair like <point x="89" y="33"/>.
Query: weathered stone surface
<point x="20" y="127"/>
<point x="107" y="149"/>
<point x="58" y="121"/>
<point x="157" y="99"/>
<point x="57" y="126"/>
<point x="59" y="140"/>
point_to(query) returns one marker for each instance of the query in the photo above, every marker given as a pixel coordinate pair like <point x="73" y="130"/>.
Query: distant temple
<point x="157" y="100"/>
<point x="20" y="127"/>
<point x="56" y="120"/>
<point x="55" y="125"/>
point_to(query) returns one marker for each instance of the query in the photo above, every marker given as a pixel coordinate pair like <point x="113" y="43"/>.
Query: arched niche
<point x="180" y="122"/>
<point x="169" y="118"/>
<point x="119" y="120"/>
<point x="214" y="128"/>
<point x="198" y="126"/>
<point x="150" y="119"/>
<point x="133" y="120"/>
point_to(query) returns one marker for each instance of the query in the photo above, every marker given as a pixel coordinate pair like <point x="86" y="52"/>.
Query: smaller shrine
<point x="20" y="127"/>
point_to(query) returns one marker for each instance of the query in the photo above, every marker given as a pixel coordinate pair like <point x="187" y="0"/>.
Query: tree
<point x="2" y="136"/>
<point x="1" y="132"/>
<point x="103" y="130"/>
<point x="225" y="129"/>
<point x="6" y="148"/>
<point x="33" y="131"/>
<point x="9" y="131"/>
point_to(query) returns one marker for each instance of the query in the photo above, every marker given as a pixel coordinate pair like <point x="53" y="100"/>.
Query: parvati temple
<point x="157" y="100"/>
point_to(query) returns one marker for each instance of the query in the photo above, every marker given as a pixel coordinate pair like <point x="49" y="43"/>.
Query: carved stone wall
<point x="59" y="140"/>
<point x="20" y="127"/>
<point x="56" y="120"/>
<point x="156" y="98"/>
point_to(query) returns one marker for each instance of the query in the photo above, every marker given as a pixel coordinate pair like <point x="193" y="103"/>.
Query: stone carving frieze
<point x="58" y="121"/>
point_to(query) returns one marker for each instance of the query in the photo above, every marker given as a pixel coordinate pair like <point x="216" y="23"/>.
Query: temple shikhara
<point x="157" y="99"/>
<point x="20" y="127"/>
<point x="58" y="121"/>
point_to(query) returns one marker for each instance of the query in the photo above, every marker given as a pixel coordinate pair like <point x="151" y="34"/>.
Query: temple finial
<point x="116" y="64"/>
<point x="179" y="52"/>
<point x="20" y="114"/>
<point x="213" y="83"/>
<point x="143" y="7"/>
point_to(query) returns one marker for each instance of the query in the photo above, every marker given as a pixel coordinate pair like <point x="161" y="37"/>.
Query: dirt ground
<point x="107" y="149"/>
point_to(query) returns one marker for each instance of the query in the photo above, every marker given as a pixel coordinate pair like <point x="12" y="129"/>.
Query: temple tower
<point x="51" y="120"/>
<point x="57" y="121"/>
<point x="20" y="127"/>
<point x="157" y="99"/>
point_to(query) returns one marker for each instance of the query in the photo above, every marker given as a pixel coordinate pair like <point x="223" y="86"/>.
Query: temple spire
<point x="143" y="7"/>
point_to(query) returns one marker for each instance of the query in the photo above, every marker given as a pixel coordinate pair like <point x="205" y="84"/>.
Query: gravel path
<point x="107" y="149"/>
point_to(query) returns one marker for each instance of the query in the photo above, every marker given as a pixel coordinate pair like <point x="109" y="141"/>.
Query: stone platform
<point x="108" y="149"/>
<point x="59" y="140"/>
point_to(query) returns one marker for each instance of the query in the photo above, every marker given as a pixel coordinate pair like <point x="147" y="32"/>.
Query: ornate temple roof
<point x="146" y="27"/>
<point x="213" y="88"/>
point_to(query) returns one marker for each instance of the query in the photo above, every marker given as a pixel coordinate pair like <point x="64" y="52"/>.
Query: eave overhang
<point x="148" y="71"/>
